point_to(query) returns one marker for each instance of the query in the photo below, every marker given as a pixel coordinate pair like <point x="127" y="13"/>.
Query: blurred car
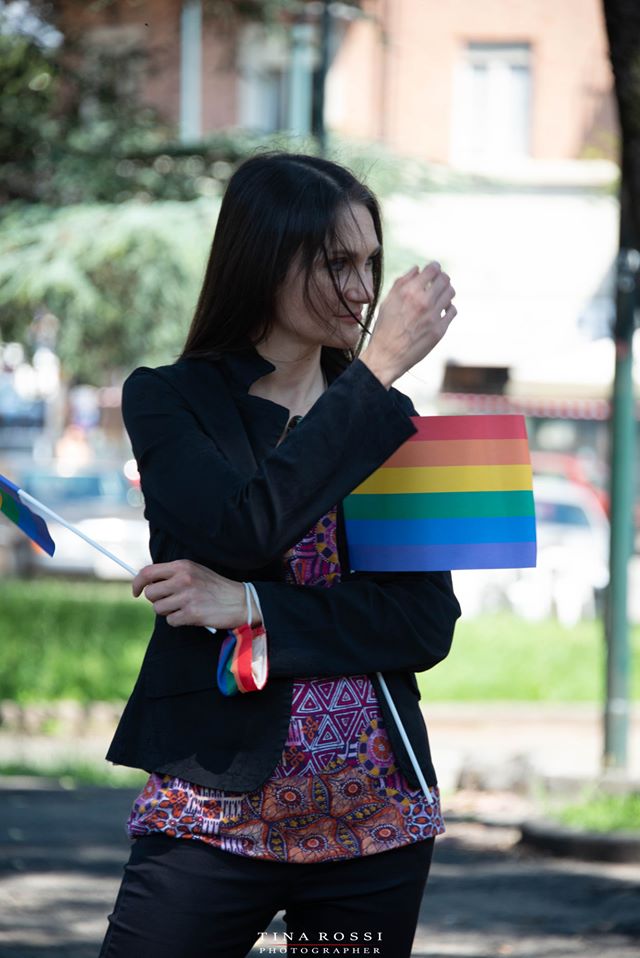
<point x="572" y="565"/>
<point x="101" y="502"/>
<point x="590" y="472"/>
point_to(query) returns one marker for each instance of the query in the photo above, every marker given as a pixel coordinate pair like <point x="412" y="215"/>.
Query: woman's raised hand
<point x="412" y="320"/>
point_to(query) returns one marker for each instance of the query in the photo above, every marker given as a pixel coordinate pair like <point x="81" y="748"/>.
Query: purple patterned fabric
<point x="337" y="791"/>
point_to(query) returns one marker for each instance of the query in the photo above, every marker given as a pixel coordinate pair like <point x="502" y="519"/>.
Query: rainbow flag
<point x="457" y="495"/>
<point x="31" y="524"/>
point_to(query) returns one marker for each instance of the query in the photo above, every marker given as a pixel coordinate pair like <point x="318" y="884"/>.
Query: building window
<point x="492" y="104"/>
<point x="263" y="70"/>
<point x="276" y="72"/>
<point x="116" y="54"/>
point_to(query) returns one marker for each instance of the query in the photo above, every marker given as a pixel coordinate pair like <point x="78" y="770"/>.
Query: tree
<point x="64" y="122"/>
<point x="121" y="278"/>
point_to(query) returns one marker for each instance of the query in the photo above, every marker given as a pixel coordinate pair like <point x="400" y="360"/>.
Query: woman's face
<point x="321" y="319"/>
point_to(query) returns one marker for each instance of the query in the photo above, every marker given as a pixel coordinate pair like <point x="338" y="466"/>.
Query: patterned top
<point x="337" y="791"/>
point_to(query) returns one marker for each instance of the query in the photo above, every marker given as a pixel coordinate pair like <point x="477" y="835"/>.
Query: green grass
<point x="71" y="774"/>
<point x="602" y="813"/>
<point x="85" y="641"/>
<point x="501" y="658"/>
<point x="70" y="640"/>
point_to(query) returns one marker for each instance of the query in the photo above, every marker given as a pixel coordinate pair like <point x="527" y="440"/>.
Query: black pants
<point x="185" y="899"/>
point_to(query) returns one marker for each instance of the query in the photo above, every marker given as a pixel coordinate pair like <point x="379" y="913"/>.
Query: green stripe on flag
<point x="10" y="507"/>
<point x="439" y="505"/>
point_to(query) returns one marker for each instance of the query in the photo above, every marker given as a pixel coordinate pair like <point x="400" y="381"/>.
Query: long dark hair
<point x="276" y="205"/>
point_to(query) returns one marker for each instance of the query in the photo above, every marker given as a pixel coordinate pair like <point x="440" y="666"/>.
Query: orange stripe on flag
<point x="461" y="452"/>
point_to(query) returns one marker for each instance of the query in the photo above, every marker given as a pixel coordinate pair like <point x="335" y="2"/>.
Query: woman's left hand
<point x="187" y="593"/>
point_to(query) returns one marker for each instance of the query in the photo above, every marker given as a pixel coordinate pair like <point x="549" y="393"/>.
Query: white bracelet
<point x="250" y="591"/>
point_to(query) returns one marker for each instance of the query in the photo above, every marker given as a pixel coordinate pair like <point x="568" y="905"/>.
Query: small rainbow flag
<point x="457" y="495"/>
<point x="31" y="524"/>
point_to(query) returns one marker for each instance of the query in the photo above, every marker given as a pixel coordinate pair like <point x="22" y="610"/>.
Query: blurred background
<point x="489" y="131"/>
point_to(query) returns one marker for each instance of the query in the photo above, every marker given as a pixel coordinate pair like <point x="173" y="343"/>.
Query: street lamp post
<point x="622" y="20"/>
<point x="616" y="717"/>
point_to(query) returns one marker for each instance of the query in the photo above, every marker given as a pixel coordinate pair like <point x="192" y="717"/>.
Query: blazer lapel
<point x="204" y="387"/>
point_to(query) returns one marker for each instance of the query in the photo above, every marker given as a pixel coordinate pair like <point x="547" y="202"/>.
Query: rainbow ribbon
<point x="457" y="495"/>
<point x="242" y="660"/>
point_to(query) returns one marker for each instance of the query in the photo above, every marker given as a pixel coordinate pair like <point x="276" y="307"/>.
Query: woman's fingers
<point x="162" y="577"/>
<point x="430" y="273"/>
<point x="152" y="573"/>
<point x="159" y="589"/>
<point x="447" y="316"/>
<point x="187" y="593"/>
<point x="444" y="299"/>
<point x="408" y="275"/>
<point x="439" y="291"/>
<point x="170" y="603"/>
<point x="412" y="320"/>
<point x="166" y="585"/>
<point x="434" y="283"/>
<point x="423" y="277"/>
<point x="405" y="278"/>
<point x="435" y="286"/>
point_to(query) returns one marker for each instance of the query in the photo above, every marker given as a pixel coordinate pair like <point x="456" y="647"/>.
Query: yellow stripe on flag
<point x="446" y="479"/>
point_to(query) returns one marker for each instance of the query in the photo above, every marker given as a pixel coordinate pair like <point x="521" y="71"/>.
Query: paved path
<point x="517" y="744"/>
<point x="61" y="852"/>
<point x="61" y="856"/>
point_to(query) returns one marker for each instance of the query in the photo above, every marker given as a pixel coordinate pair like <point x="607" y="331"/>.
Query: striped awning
<point x="543" y="408"/>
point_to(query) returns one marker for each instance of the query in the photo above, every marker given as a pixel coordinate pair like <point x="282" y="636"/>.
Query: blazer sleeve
<point x="369" y="622"/>
<point x="193" y="493"/>
<point x="381" y="623"/>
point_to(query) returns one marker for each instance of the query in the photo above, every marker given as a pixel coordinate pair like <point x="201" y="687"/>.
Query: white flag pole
<point x="405" y="739"/>
<point x="50" y="514"/>
<point x="44" y="511"/>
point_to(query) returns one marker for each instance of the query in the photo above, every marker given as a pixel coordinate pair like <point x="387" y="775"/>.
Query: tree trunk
<point x="622" y="19"/>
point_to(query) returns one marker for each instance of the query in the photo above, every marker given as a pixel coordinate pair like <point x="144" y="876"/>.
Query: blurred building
<point x="521" y="91"/>
<point x="479" y="83"/>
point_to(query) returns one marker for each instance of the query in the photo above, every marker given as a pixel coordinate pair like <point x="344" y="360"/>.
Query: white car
<point x="572" y="566"/>
<point x="101" y="502"/>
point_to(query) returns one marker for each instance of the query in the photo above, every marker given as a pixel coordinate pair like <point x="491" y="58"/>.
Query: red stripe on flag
<point x="468" y="427"/>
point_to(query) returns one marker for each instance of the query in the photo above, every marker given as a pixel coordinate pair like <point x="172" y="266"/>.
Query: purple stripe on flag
<point x="435" y="558"/>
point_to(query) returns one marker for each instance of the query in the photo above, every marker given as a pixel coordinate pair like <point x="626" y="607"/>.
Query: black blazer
<point x="218" y="491"/>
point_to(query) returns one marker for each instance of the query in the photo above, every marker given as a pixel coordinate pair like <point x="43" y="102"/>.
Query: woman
<point x="300" y="796"/>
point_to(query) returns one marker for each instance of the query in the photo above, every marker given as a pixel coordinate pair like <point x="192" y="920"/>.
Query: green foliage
<point x="27" y="79"/>
<point x="265" y="11"/>
<point x="73" y="129"/>
<point x="122" y="279"/>
<point x="85" y="641"/>
<point x="73" y="773"/>
<point x="502" y="658"/>
<point x="66" y="120"/>
<point x="599" y="812"/>
<point x="225" y="11"/>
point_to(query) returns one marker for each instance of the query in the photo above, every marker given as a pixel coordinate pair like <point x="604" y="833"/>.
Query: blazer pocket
<point x="166" y="676"/>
